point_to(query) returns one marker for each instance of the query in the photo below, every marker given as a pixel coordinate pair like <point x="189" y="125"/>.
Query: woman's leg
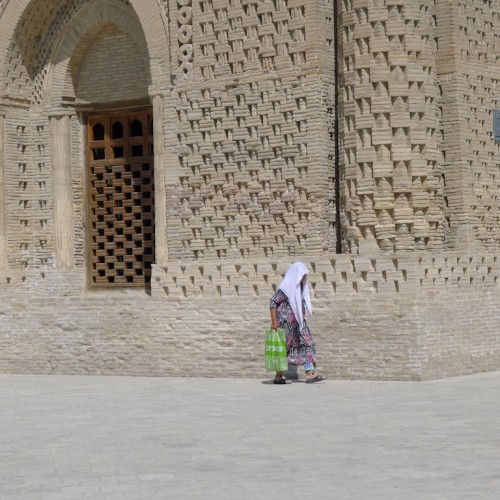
<point x="280" y="379"/>
<point x="309" y="368"/>
<point x="311" y="374"/>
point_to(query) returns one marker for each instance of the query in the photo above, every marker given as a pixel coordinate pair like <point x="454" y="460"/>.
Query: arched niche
<point x="39" y="31"/>
<point x="51" y="77"/>
<point x="84" y="47"/>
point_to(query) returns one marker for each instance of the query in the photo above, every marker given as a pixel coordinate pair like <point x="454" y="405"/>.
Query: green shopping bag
<point x="275" y="354"/>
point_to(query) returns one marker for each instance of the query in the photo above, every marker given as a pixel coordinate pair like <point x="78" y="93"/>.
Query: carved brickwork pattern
<point x="331" y="49"/>
<point x="28" y="55"/>
<point x="394" y="184"/>
<point x="245" y="187"/>
<point x="240" y="36"/>
<point x="42" y="189"/>
<point x="327" y="277"/>
<point x="254" y="175"/>
<point x="479" y="43"/>
<point x="20" y="190"/>
<point x="185" y="39"/>
<point x="28" y="189"/>
<point x="165" y="12"/>
<point x="79" y="204"/>
<point x="17" y="81"/>
<point x="339" y="276"/>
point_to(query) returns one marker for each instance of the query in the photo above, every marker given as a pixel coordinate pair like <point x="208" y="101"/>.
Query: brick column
<point x="60" y="130"/>
<point x="3" y="225"/>
<point x="452" y="105"/>
<point x="161" y="242"/>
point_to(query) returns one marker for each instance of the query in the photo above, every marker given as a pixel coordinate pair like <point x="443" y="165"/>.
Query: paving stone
<point x="154" y="438"/>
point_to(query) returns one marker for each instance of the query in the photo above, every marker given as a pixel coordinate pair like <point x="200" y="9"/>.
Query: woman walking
<point x="288" y="307"/>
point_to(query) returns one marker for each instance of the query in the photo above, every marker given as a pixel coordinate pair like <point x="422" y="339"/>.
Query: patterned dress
<point x="300" y="345"/>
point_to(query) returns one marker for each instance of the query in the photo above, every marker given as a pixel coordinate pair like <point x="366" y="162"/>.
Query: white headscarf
<point x="290" y="286"/>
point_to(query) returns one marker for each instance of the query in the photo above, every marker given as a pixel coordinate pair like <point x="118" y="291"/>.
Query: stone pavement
<point x="64" y="438"/>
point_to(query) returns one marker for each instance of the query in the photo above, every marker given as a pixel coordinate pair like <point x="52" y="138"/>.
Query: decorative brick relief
<point x="19" y="191"/>
<point x="331" y="48"/>
<point x="185" y="39"/>
<point x="393" y="166"/>
<point x="245" y="186"/>
<point x="240" y="36"/>
<point x="28" y="191"/>
<point x="17" y="80"/>
<point x="458" y="271"/>
<point x="33" y="43"/>
<point x="479" y="44"/>
<point x="328" y="277"/>
<point x="79" y="203"/>
<point x="42" y="194"/>
<point x="11" y="279"/>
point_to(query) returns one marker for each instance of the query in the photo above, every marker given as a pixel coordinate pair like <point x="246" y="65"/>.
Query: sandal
<point x="314" y="377"/>
<point x="282" y="380"/>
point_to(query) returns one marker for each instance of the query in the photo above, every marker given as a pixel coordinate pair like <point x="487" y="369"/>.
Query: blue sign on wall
<point x="496" y="124"/>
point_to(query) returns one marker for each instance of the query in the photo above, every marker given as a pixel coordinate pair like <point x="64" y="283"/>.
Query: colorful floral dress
<point x="300" y="345"/>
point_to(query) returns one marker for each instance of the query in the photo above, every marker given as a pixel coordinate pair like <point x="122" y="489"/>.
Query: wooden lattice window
<point x="121" y="198"/>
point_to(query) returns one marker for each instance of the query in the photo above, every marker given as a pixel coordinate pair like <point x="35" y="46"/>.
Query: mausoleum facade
<point x="162" y="162"/>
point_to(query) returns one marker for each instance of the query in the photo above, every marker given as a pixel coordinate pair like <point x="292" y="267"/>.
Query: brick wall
<point x="393" y="164"/>
<point x="380" y="318"/>
<point x="246" y="90"/>
<point x="113" y="69"/>
<point x="250" y="169"/>
<point x="469" y="74"/>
